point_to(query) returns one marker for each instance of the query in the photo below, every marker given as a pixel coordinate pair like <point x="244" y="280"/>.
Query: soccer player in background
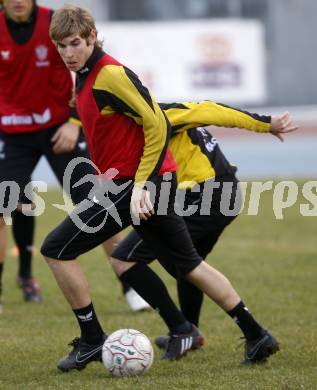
<point x="35" y="121"/>
<point x="127" y="134"/>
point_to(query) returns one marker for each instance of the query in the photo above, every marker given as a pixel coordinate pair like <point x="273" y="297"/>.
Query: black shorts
<point x="20" y="153"/>
<point x="204" y="230"/>
<point x="86" y="228"/>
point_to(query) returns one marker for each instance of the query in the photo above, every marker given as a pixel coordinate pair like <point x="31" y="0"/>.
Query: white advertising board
<point x="222" y="60"/>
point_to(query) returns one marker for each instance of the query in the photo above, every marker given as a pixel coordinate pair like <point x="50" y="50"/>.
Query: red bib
<point x="35" y="85"/>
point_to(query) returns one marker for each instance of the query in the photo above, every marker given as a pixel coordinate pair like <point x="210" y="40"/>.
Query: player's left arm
<point x="184" y="116"/>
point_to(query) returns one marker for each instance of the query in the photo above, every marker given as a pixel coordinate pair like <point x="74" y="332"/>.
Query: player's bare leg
<point x="72" y="282"/>
<point x="214" y="284"/>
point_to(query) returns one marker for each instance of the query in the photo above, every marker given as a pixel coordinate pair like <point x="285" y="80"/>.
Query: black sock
<point x="151" y="288"/>
<point x="190" y="299"/>
<point x="23" y="233"/>
<point x="244" y="319"/>
<point x="125" y="286"/>
<point x="91" y="330"/>
<point x="1" y="270"/>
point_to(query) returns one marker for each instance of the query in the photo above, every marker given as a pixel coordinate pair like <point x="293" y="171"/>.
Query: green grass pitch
<point x="273" y="265"/>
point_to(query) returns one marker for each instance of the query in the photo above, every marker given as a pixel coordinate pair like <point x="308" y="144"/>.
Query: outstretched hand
<point x="282" y="124"/>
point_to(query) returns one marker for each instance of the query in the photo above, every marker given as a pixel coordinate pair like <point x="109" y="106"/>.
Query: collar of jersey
<point x="92" y="60"/>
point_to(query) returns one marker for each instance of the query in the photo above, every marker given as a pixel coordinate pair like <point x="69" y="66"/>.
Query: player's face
<point x="18" y="10"/>
<point x="75" y="50"/>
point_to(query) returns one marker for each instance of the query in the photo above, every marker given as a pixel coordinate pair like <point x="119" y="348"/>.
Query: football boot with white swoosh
<point x="81" y="354"/>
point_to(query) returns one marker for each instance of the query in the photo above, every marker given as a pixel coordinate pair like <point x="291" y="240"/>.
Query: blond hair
<point x="72" y="20"/>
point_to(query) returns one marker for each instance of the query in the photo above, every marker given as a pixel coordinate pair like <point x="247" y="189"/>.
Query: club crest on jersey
<point x="41" y="52"/>
<point x="5" y="55"/>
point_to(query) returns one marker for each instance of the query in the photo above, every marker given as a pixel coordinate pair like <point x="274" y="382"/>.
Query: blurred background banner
<point x="259" y="55"/>
<point x="208" y="59"/>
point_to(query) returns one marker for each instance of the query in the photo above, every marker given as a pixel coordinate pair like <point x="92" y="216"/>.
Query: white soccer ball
<point x="127" y="352"/>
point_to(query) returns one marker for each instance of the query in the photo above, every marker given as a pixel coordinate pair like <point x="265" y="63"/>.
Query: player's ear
<point x="92" y="38"/>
